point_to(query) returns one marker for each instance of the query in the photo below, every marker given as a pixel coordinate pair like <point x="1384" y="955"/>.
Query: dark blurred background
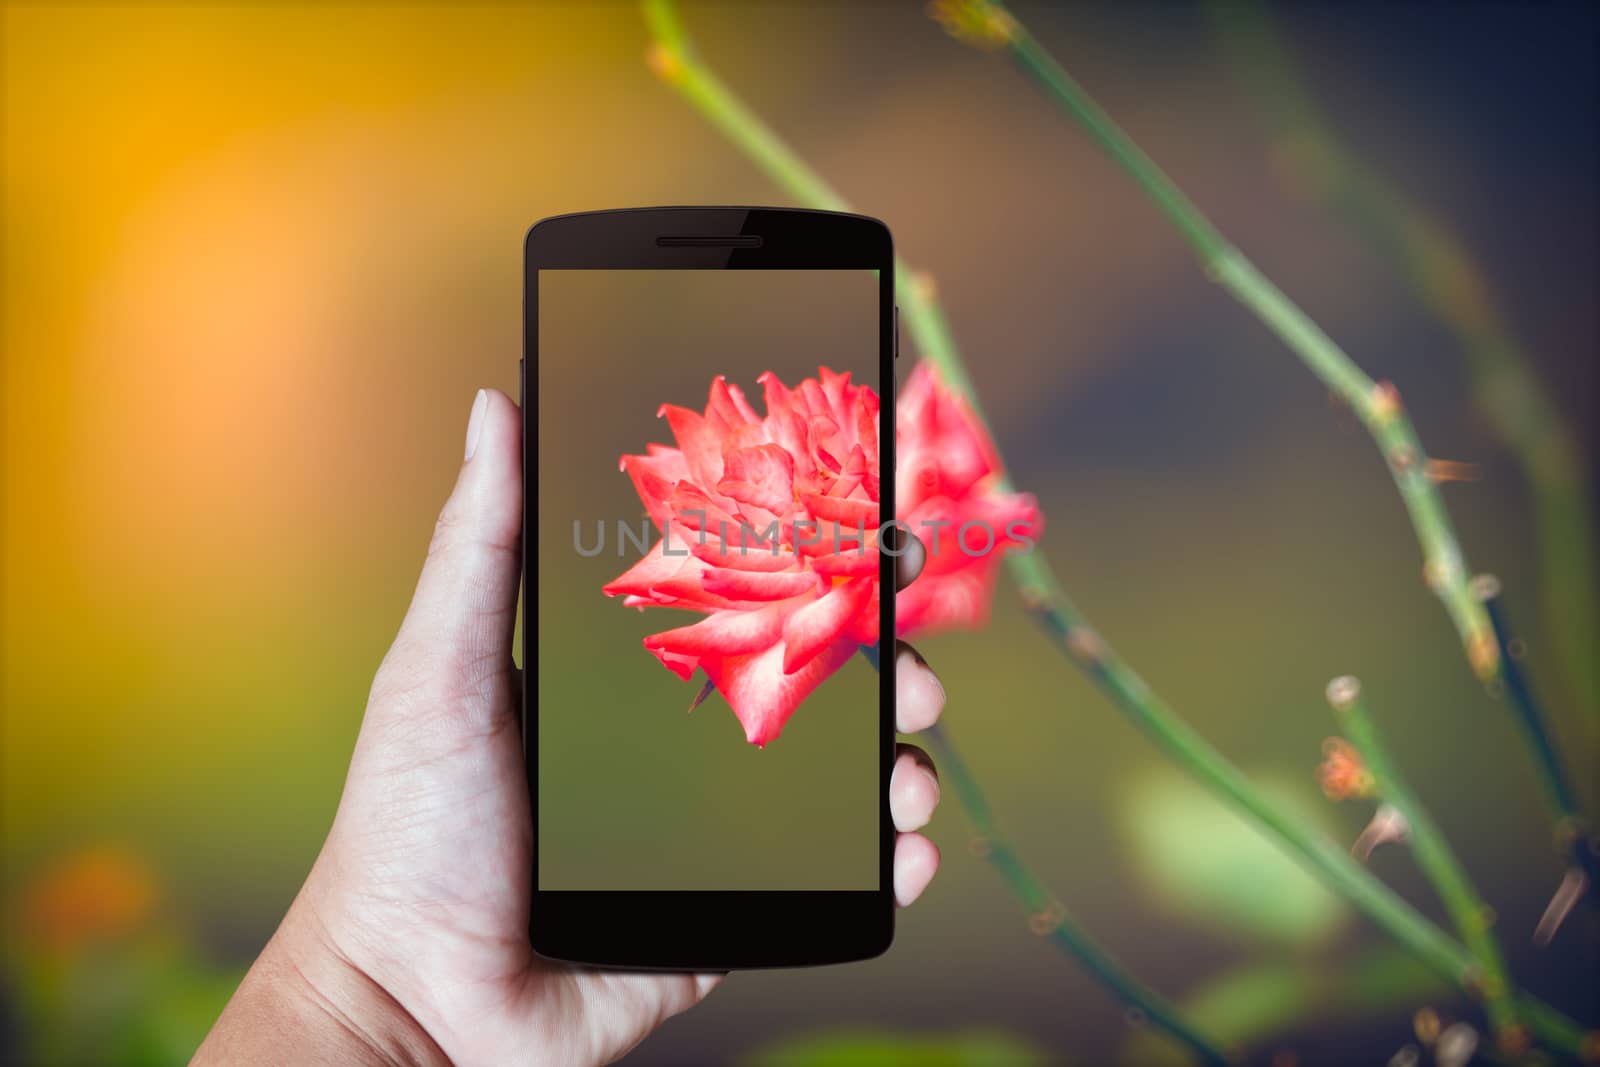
<point x="257" y="259"/>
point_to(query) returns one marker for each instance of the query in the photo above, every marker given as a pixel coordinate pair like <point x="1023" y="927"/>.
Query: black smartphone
<point x="709" y="457"/>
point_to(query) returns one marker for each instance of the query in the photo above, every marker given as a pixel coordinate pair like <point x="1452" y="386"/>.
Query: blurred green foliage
<point x="1252" y="1003"/>
<point x="103" y="969"/>
<point x="1199" y="861"/>
<point x="878" y="1048"/>
<point x="148" y="1002"/>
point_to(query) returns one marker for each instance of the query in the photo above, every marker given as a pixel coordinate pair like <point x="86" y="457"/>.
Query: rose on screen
<point x="769" y="527"/>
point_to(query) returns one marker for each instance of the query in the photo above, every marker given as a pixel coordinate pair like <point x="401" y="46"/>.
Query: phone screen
<point x="707" y="579"/>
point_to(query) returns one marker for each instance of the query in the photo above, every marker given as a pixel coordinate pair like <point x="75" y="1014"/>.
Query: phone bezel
<point x="727" y="930"/>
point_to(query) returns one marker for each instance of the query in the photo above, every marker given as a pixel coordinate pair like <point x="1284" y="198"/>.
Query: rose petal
<point x="827" y="542"/>
<point x="938" y="523"/>
<point x="653" y="568"/>
<point x="677" y="581"/>
<point x="725" y="633"/>
<point x="762" y="476"/>
<point x="687" y="590"/>
<point x="866" y="626"/>
<point x="788" y="429"/>
<point x="762" y="696"/>
<point x="695" y="510"/>
<point x="699" y="442"/>
<point x="723" y="411"/>
<point x="836" y="388"/>
<point x="848" y="564"/>
<point x="817" y="625"/>
<point x="754" y="556"/>
<point x="758" y="585"/>
<point x="653" y="477"/>
<point x="867" y="407"/>
<point x="682" y="666"/>
<point x="809" y="393"/>
<point x="959" y="600"/>
<point x="855" y="514"/>
<point x="743" y="405"/>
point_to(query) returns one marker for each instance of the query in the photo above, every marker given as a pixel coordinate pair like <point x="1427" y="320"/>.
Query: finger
<point x="919" y="698"/>
<point x="916" y="859"/>
<point x="918" y="754"/>
<point x="913" y="789"/>
<point x="459" y="626"/>
<point x="908" y="564"/>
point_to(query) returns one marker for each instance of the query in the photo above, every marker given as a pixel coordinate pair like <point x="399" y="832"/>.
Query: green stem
<point x="674" y="60"/>
<point x="1467" y="910"/>
<point x="1181" y="741"/>
<point x="1571" y="832"/>
<point x="1446" y="278"/>
<point x="1047" y="916"/>
<point x="1376" y="404"/>
<point x="673" y="57"/>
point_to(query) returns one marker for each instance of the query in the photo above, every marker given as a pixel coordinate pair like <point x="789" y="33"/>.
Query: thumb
<point x="458" y="630"/>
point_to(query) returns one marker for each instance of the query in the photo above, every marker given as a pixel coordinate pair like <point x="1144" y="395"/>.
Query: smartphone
<point x="709" y="457"/>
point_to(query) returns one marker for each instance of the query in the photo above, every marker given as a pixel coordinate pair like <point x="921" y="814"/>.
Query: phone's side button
<point x="897" y="331"/>
<point x="522" y="383"/>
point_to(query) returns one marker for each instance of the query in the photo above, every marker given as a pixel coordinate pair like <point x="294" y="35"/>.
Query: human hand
<point x="409" y="940"/>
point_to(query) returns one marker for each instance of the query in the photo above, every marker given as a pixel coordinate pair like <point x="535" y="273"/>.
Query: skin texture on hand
<point x="408" y="942"/>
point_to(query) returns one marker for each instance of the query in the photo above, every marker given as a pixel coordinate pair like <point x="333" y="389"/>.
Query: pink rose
<point x="770" y="528"/>
<point x="946" y="491"/>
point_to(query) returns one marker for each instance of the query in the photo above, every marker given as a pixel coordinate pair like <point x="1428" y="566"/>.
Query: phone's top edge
<point x="707" y="207"/>
<point x="616" y="215"/>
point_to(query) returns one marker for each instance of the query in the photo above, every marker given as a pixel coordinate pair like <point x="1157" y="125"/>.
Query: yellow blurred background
<point x="257" y="258"/>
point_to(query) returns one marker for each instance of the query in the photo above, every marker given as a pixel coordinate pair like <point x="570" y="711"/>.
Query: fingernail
<point x="475" y="423"/>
